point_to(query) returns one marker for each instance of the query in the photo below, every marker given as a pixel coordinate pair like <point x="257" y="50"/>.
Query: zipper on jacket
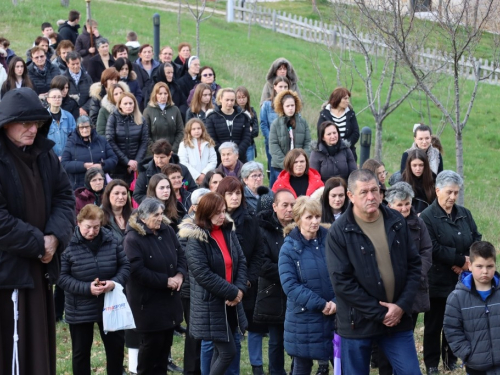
<point x="487" y="312"/>
<point x="352" y="319"/>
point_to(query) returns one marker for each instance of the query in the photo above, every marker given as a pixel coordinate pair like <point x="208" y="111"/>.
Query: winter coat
<point x="351" y="135"/>
<point x="97" y="92"/>
<point x="420" y="237"/>
<point x="175" y="91"/>
<point x="133" y="50"/>
<point x="341" y="164"/>
<point x="154" y="64"/>
<point x="80" y="267"/>
<point x="105" y="107"/>
<point x="165" y="124"/>
<point x="78" y="152"/>
<point x="267" y="116"/>
<point x="83" y="197"/>
<point x="254" y="125"/>
<point x="271" y="300"/>
<point x="68" y="32"/>
<point x="60" y="64"/>
<point x="82" y="46"/>
<point x="197" y="164"/>
<point x="186" y="83"/>
<point x="209" y="288"/>
<point x="283" y="182"/>
<point x="271" y="75"/>
<point x="82" y="90"/>
<point x="41" y="80"/>
<point x="21" y="242"/>
<point x="96" y="67"/>
<point x="59" y="133"/>
<point x="472" y="326"/>
<point x="356" y="280"/>
<point x="279" y="139"/>
<point x="305" y="281"/>
<point x="154" y="258"/>
<point x="239" y="133"/>
<point x="70" y="105"/>
<point x="200" y="115"/>
<point x="451" y="242"/>
<point x="148" y="168"/>
<point x="128" y="140"/>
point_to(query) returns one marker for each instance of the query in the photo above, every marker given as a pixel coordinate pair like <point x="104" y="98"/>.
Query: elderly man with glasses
<point x="41" y="71"/>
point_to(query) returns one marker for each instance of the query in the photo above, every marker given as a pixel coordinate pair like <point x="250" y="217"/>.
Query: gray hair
<point x="148" y="207"/>
<point x="82" y="120"/>
<point x="363" y="175"/>
<point x="101" y="41"/>
<point x="447" y="178"/>
<point x="399" y="191"/>
<point x="249" y="167"/>
<point x="233" y="146"/>
<point x="197" y="194"/>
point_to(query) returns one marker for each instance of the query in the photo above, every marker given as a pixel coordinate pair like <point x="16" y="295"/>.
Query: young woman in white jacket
<point x="197" y="150"/>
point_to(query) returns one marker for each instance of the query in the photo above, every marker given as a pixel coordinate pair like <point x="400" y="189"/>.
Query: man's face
<point x="166" y="55"/>
<point x="39" y="59"/>
<point x="365" y="198"/>
<point x="22" y="133"/>
<point x="74" y="66"/>
<point x="229" y="158"/>
<point x="284" y="207"/>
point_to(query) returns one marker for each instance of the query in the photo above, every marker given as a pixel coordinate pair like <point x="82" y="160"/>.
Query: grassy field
<point x="238" y="60"/>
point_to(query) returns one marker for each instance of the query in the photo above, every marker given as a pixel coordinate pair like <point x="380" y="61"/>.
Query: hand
<point x="465" y="267"/>
<point x="330" y="308"/>
<point x="107" y="286"/>
<point x="43" y="96"/>
<point x="92" y="50"/>
<point x="96" y="289"/>
<point x="200" y="179"/>
<point x="236" y="300"/>
<point x="51" y="242"/>
<point x="393" y="316"/>
<point x="87" y="165"/>
<point x="175" y="282"/>
<point x="133" y="165"/>
<point x="457" y="270"/>
<point x="83" y="112"/>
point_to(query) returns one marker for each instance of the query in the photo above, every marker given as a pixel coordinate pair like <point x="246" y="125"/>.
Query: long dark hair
<point x="10" y="83"/>
<point x="426" y="178"/>
<point x="170" y="204"/>
<point x="106" y="203"/>
<point x="327" y="215"/>
<point x="275" y="82"/>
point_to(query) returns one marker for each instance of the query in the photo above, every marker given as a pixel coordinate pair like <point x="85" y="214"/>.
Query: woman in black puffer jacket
<point x="127" y="133"/>
<point x="90" y="266"/>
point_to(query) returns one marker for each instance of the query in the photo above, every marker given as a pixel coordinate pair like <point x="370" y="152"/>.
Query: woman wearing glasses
<point x="85" y="149"/>
<point x="252" y="175"/>
<point x="207" y="76"/>
<point x="63" y="123"/>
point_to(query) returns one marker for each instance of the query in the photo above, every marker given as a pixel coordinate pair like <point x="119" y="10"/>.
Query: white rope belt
<point x="15" y="354"/>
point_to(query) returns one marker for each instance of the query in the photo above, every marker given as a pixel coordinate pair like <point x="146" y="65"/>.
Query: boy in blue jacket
<point x="472" y="315"/>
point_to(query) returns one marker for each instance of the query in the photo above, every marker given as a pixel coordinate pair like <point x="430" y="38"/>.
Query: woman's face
<point x="331" y="136"/>
<point x="233" y="199"/>
<point x="153" y="221"/>
<point x="84" y="129"/>
<point x="146" y="54"/>
<point x="207" y="76"/>
<point x="116" y="93"/>
<point x="162" y="95"/>
<point x="219" y="216"/>
<point x="241" y="99"/>
<point x="111" y="82"/>
<point x="299" y="166"/>
<point x="103" y="49"/>
<point x="97" y="182"/>
<point x="403" y="207"/>
<point x="289" y="107"/>
<point x="163" y="190"/>
<point x="336" y="198"/>
<point x="124" y="71"/>
<point x="118" y="197"/>
<point x="417" y="167"/>
<point x="90" y="228"/>
<point x="381" y="174"/>
<point x="196" y="130"/>
<point x="254" y="180"/>
<point x="344" y="102"/>
<point x="423" y="140"/>
<point x="44" y="45"/>
<point x="127" y="105"/>
<point x="447" y="196"/>
<point x="185" y="52"/>
<point x="309" y="223"/>
<point x="206" y="96"/>
<point x="228" y="99"/>
<point x="194" y="68"/>
<point x="169" y="73"/>
<point x="214" y="182"/>
<point x="19" y="69"/>
<point x="64" y="91"/>
<point x="281" y="72"/>
<point x="176" y="179"/>
<point x="280" y="86"/>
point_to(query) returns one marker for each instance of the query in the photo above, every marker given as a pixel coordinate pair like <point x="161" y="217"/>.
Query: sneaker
<point x="257" y="370"/>
<point x="322" y="370"/>
<point x="432" y="371"/>
<point x="172" y="367"/>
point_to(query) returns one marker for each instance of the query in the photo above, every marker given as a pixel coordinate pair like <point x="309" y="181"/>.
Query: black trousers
<point x="59" y="302"/>
<point x="153" y="352"/>
<point x="192" y="347"/>
<point x="224" y="353"/>
<point x="435" y="344"/>
<point x="82" y="337"/>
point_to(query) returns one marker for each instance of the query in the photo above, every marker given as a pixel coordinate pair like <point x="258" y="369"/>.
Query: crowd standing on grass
<point x="120" y="169"/>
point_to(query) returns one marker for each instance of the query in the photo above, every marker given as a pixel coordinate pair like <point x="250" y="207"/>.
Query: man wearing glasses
<point x="41" y="71"/>
<point x="37" y="215"/>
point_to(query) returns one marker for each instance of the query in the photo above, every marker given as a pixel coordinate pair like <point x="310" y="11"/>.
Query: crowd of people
<point x="120" y="169"/>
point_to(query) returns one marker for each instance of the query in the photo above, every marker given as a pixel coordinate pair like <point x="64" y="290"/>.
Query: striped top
<point x="341" y="122"/>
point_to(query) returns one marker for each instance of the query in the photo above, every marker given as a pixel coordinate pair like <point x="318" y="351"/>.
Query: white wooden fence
<point x="337" y="36"/>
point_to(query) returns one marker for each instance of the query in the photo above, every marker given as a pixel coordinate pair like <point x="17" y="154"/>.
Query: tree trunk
<point x="198" y="21"/>
<point x="378" y="140"/>
<point x="459" y="154"/>
<point x="179" y="18"/>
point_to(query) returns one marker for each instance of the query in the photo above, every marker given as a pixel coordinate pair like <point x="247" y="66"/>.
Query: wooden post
<point x="274" y="20"/>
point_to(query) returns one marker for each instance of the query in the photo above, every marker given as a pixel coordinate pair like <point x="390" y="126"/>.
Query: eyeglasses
<point x="55" y="97"/>
<point x="207" y="75"/>
<point x="84" y="127"/>
<point x="38" y="57"/>
<point x="30" y="124"/>
<point x="256" y="176"/>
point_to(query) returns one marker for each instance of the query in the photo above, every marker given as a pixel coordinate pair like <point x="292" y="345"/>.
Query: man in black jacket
<point x="375" y="272"/>
<point x="79" y="82"/>
<point x="69" y="29"/>
<point x="37" y="216"/>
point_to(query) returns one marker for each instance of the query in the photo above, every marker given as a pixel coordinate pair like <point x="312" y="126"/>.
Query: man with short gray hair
<point x="375" y="272"/>
<point x="79" y="82"/>
<point x="230" y="165"/>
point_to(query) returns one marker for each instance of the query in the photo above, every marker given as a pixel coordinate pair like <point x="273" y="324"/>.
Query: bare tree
<point x="197" y="11"/>
<point x="458" y="27"/>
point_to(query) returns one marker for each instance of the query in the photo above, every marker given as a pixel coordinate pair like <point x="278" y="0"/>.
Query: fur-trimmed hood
<point x="278" y="106"/>
<point x="188" y="229"/>
<point x="271" y="74"/>
<point x="95" y="90"/>
<point x="139" y="227"/>
<point x="288" y="229"/>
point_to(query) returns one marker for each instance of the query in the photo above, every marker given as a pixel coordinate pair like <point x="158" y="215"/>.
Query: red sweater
<point x="221" y="241"/>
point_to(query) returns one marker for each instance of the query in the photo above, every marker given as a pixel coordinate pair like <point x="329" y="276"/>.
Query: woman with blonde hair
<point x="163" y="117"/>
<point x="108" y="105"/>
<point x="197" y="150"/>
<point x="201" y="102"/>
<point x="127" y="133"/>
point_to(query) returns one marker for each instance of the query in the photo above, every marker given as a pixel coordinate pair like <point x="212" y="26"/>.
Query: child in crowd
<point x="472" y="315"/>
<point x="243" y="100"/>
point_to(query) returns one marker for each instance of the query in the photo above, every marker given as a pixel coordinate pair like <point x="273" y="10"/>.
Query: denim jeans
<point x="398" y="347"/>
<point x="207" y="351"/>
<point x="276" y="350"/>
<point x="251" y="153"/>
<point x="268" y="154"/>
<point x="255" y="348"/>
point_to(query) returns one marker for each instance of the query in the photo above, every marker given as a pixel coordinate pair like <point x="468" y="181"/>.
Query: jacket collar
<point x="135" y="224"/>
<point x="299" y="241"/>
<point x="466" y="281"/>
<point x="188" y="229"/>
